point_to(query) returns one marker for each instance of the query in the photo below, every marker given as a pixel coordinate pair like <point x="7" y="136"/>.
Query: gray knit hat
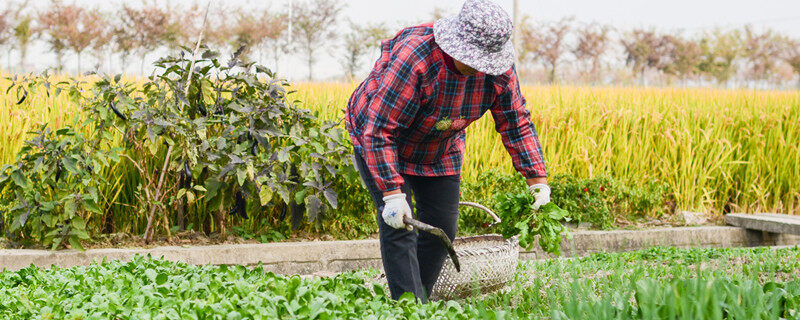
<point x="479" y="36"/>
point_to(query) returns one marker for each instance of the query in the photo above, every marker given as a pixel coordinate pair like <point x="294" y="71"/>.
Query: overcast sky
<point x="690" y="16"/>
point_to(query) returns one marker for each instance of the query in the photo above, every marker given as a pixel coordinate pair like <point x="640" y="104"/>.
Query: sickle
<point x="448" y="245"/>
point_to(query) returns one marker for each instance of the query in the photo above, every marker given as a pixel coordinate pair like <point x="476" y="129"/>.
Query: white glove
<point x="540" y="192"/>
<point x="394" y="209"/>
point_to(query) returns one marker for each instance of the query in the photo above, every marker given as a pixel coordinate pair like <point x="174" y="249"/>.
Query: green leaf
<point x="71" y="165"/>
<point x="69" y="208"/>
<point x="19" y="179"/>
<point x="283" y="155"/>
<point x="80" y="233"/>
<point x="161" y="278"/>
<point x="162" y="122"/>
<point x="75" y="243"/>
<point x="284" y="193"/>
<point x="241" y="177"/>
<point x="314" y="207"/>
<point x="251" y="171"/>
<point x="332" y="198"/>
<point x="300" y="196"/>
<point x="91" y="206"/>
<point x="190" y="198"/>
<point x="48" y="220"/>
<point x="265" y="195"/>
<point x="78" y="223"/>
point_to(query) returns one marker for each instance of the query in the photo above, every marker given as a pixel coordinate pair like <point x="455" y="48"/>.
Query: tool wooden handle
<point x="439" y="233"/>
<point x="484" y="208"/>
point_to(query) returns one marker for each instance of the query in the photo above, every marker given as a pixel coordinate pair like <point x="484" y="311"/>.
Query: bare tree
<point x="219" y="29"/>
<point x="358" y="42"/>
<point x="314" y="26"/>
<point x="439" y="12"/>
<point x="123" y="43"/>
<point x="6" y="26"/>
<point x="146" y="26"/>
<point x="251" y="30"/>
<point x="791" y="54"/>
<point x="593" y="42"/>
<point x="181" y="26"/>
<point x="54" y="22"/>
<point x="547" y="43"/>
<point x="84" y="29"/>
<point x="641" y="50"/>
<point x="103" y="43"/>
<point x="679" y="57"/>
<point x="529" y="42"/>
<point x="277" y="25"/>
<point x="13" y="21"/>
<point x="185" y="25"/>
<point x="762" y="52"/>
<point x="23" y="33"/>
<point x="720" y="49"/>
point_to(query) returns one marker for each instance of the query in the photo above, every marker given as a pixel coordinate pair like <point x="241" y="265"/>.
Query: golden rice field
<point x="711" y="146"/>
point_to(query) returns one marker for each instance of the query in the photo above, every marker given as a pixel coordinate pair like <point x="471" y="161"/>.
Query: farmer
<point x="407" y="121"/>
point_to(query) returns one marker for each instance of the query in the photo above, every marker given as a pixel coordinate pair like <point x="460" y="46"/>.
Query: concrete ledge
<point x="587" y="242"/>
<point x="339" y="256"/>
<point x="770" y="222"/>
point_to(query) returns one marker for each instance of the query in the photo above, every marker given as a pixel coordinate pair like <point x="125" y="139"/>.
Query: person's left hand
<point x="541" y="194"/>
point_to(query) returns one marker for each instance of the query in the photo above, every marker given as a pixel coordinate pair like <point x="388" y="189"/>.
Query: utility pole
<point x="515" y="36"/>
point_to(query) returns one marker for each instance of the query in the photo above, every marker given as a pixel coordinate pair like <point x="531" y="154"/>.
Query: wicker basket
<point x="488" y="263"/>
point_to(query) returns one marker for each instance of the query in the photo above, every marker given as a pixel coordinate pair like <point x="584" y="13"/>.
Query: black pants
<point x="412" y="261"/>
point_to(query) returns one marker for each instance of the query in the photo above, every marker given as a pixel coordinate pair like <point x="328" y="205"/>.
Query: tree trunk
<point x="642" y="80"/>
<point x="181" y="218"/>
<point x="595" y="76"/>
<point x="310" y="67"/>
<point x="23" y="51"/>
<point x="123" y="59"/>
<point x="141" y="67"/>
<point x="79" y="63"/>
<point x="275" y="58"/>
<point x="310" y="51"/>
<point x="59" y="61"/>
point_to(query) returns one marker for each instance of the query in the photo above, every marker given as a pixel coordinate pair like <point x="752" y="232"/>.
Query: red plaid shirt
<point x="409" y="115"/>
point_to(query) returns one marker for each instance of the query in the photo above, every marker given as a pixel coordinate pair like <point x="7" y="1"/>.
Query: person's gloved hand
<point x="540" y="192"/>
<point x="394" y="209"/>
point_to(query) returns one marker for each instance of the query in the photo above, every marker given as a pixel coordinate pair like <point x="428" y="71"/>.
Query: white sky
<point x="690" y="16"/>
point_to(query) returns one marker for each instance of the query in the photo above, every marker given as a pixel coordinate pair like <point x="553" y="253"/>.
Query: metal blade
<point x="448" y="245"/>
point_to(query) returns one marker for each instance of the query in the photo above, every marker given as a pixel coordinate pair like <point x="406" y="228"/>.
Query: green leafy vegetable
<point x="519" y="219"/>
<point x="657" y="283"/>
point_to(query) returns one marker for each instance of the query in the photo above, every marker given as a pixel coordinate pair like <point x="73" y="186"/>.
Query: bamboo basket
<point x="488" y="263"/>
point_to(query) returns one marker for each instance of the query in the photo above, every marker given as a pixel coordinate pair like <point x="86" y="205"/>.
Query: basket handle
<point x="485" y="209"/>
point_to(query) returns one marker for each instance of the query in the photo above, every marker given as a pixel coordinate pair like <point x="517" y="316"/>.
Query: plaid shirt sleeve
<point x="391" y="108"/>
<point x="513" y="122"/>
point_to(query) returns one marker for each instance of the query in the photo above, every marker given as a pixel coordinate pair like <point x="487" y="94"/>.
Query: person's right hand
<point x="394" y="209"/>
